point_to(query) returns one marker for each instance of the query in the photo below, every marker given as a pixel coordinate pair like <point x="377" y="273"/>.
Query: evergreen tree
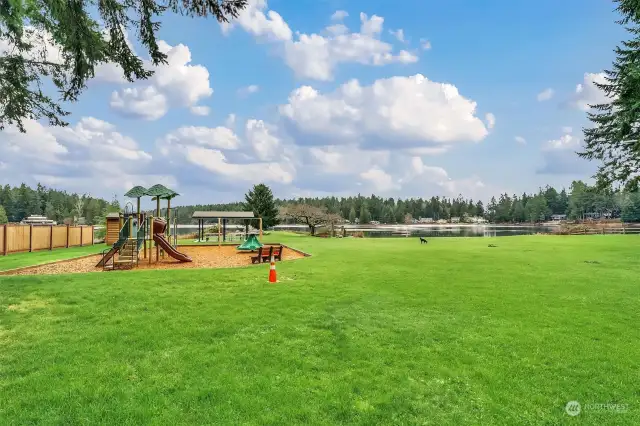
<point x="49" y="211"/>
<point x="563" y="202"/>
<point x="614" y="138"/>
<point x="260" y="201"/>
<point x="536" y="208"/>
<point x="3" y="216"/>
<point x="78" y="29"/>
<point x="352" y="215"/>
<point x="388" y="215"/>
<point x="519" y="214"/>
<point x="492" y="209"/>
<point x="365" y="216"/>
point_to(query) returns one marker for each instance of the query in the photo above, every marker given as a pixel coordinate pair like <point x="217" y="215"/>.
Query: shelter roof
<point x="222" y="215"/>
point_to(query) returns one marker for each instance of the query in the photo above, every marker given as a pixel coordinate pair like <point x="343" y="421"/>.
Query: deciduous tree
<point x="309" y="215"/>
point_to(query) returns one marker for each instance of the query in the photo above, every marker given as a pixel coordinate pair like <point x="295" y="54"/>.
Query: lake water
<point x="449" y="230"/>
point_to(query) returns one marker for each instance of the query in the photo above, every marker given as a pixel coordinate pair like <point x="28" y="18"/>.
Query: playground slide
<point x="162" y="242"/>
<point x="108" y="256"/>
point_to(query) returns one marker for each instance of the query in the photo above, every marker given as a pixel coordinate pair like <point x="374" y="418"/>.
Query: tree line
<point x="581" y="201"/>
<point x="19" y="202"/>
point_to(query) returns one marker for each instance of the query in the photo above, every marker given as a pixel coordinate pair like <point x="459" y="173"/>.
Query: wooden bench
<point x="265" y="253"/>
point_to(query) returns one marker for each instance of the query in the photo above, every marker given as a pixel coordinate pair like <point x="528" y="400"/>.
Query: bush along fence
<point x="21" y="238"/>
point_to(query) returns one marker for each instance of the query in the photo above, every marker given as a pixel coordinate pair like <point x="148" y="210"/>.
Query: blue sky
<point x="470" y="97"/>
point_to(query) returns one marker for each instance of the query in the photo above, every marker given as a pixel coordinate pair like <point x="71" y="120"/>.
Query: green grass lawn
<point x="367" y="331"/>
<point x="18" y="260"/>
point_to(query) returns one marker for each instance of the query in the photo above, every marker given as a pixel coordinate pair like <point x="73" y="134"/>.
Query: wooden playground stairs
<point x="126" y="258"/>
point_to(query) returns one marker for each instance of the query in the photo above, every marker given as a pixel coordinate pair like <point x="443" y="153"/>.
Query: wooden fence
<point x="606" y="231"/>
<point x="19" y="238"/>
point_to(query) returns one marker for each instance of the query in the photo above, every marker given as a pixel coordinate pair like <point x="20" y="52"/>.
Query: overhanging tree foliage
<point x="614" y="138"/>
<point x="62" y="41"/>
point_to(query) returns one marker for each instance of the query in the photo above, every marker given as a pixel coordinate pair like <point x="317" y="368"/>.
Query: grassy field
<point x="367" y="331"/>
<point x="39" y="257"/>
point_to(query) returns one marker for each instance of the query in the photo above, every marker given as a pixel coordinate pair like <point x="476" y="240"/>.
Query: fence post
<point x="81" y="227"/>
<point x="30" y="238"/>
<point x="93" y="235"/>
<point x="6" y="229"/>
<point x="67" y="243"/>
<point x="50" y="237"/>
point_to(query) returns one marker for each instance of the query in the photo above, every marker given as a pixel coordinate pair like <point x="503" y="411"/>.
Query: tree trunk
<point x="313" y="229"/>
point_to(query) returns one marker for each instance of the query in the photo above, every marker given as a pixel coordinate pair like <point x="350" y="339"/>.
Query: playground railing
<point x="142" y="234"/>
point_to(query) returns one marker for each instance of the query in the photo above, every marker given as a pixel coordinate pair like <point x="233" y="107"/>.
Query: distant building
<point x="425" y="220"/>
<point x="477" y="219"/>
<point x="374" y="222"/>
<point x="558" y="217"/>
<point x="37" y="220"/>
<point x="455" y="220"/>
<point x="441" y="221"/>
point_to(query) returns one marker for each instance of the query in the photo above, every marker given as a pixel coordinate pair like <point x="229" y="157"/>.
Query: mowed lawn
<point x="367" y="331"/>
<point x="19" y="260"/>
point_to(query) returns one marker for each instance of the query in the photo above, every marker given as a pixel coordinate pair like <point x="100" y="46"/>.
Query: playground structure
<point x="138" y="232"/>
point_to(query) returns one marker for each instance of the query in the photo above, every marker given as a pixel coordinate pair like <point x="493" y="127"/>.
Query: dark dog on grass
<point x="423" y="241"/>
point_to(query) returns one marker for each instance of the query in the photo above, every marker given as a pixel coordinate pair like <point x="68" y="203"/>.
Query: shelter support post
<point x="219" y="229"/>
<point x="224" y="230"/>
<point x="169" y="218"/>
<point x="260" y="222"/>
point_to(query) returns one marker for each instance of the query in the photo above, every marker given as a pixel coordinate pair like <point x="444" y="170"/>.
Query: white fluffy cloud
<point x="587" y="93"/>
<point x="339" y="15"/>
<point x="560" y="157"/>
<point x="246" y="91"/>
<point x="37" y="143"/>
<point x="90" y="156"/>
<point x="545" y="95"/>
<point x="380" y="179"/>
<point x="100" y="140"/>
<point x="567" y="129"/>
<point x="399" y="112"/>
<point x="176" y="84"/>
<point x="212" y="137"/>
<point x="564" y="142"/>
<point x="520" y="140"/>
<point x="398" y="34"/>
<point x="316" y="56"/>
<point x="490" y="119"/>
<point x="426" y="44"/>
<point x="255" y="21"/>
<point x="265" y="144"/>
<point x="145" y="102"/>
<point x="213" y="151"/>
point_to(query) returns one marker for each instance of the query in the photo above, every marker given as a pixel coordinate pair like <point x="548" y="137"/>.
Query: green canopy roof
<point x="161" y="191"/>
<point x="136" y="192"/>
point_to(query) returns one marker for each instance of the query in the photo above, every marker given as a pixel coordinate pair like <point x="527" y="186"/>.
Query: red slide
<point x="162" y="242"/>
<point x="159" y="226"/>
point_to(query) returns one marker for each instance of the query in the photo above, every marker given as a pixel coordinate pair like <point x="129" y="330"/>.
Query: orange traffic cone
<point x="272" y="271"/>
